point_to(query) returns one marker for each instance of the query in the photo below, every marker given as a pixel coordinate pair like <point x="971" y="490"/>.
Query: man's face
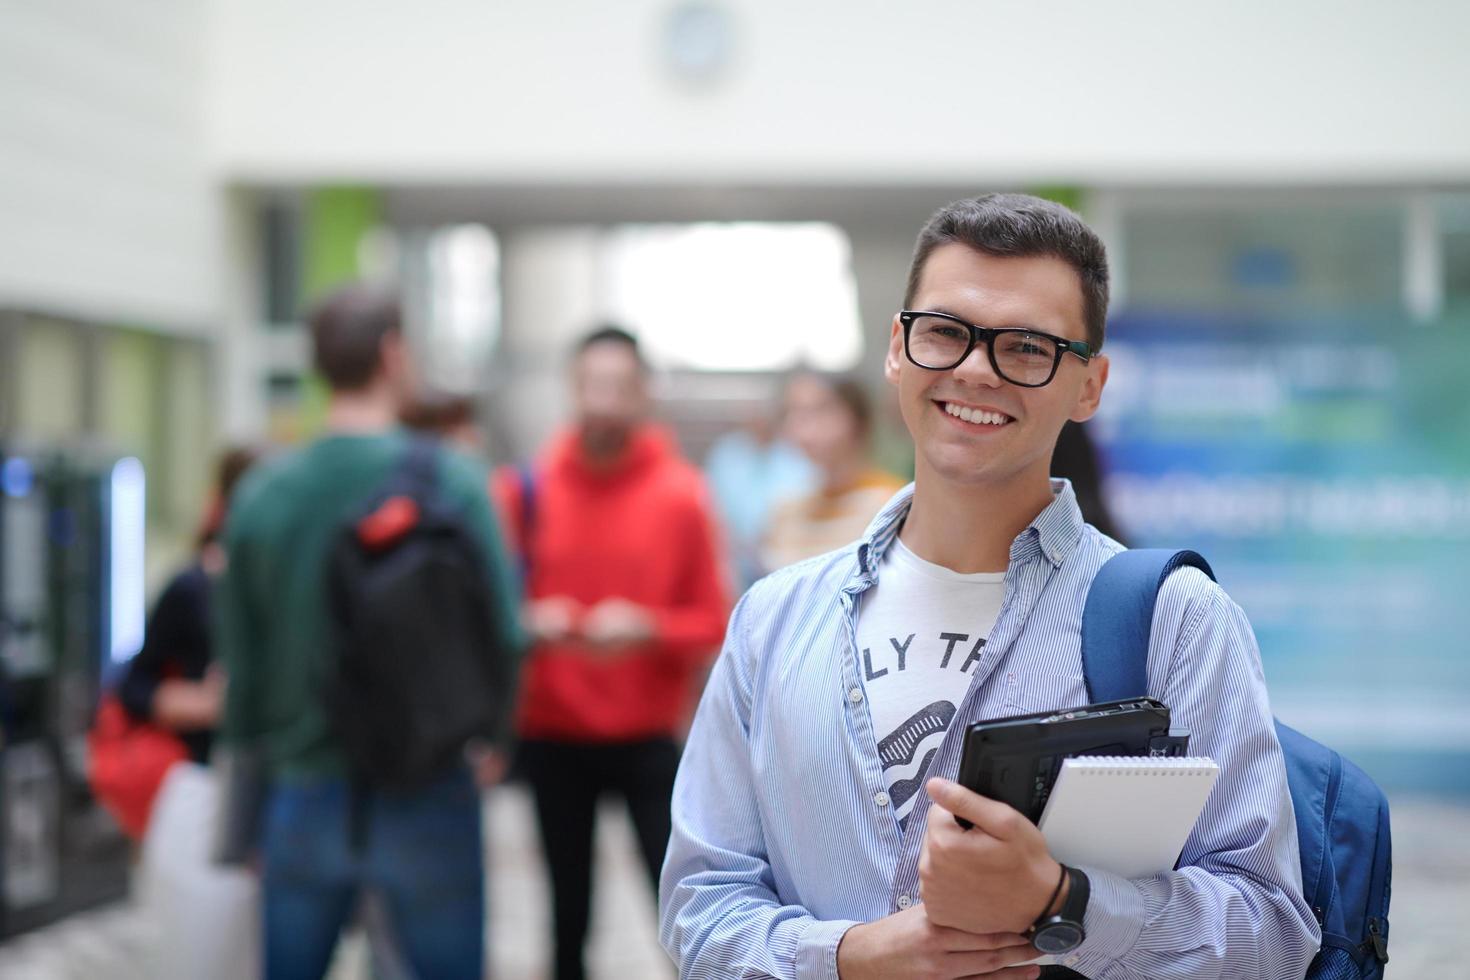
<point x="818" y="422"/>
<point x="610" y="394"/>
<point x="1013" y="445"/>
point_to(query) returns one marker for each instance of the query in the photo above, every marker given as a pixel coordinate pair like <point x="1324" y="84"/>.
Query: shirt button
<point x="1071" y="960"/>
<point x="855" y="695"/>
<point x="904" y="901"/>
<point x="880" y="798"/>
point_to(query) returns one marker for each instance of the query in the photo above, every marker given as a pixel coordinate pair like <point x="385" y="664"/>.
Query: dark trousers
<point x="422" y="852"/>
<point x="567" y="779"/>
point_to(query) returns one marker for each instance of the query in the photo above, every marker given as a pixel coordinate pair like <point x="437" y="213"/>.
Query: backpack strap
<point x="417" y="470"/>
<point x="1119" y="615"/>
<point x="526" y="483"/>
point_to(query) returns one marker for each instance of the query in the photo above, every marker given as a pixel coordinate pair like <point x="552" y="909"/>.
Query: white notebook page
<point x="1127" y="815"/>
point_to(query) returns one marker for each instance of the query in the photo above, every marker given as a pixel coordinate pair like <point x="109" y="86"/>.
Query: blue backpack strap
<point x="418" y="468"/>
<point x="526" y="479"/>
<point x="1119" y="615"/>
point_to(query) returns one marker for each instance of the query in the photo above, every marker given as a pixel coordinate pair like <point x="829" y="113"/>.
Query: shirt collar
<point x="1053" y="534"/>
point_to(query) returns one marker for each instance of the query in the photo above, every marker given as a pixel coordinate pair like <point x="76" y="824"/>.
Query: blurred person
<point x="814" y="812"/>
<point x="626" y="602"/>
<point x="830" y="419"/>
<point x="328" y="833"/>
<point x="165" y="705"/>
<point x="750" y="470"/>
<point x="449" y="417"/>
<point x="173" y="681"/>
<point x="1076" y="461"/>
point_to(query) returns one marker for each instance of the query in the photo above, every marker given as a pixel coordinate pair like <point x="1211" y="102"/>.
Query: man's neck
<point x="970" y="529"/>
<point x="369" y="410"/>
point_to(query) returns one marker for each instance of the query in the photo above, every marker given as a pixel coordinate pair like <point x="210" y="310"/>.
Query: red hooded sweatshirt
<point x="642" y="530"/>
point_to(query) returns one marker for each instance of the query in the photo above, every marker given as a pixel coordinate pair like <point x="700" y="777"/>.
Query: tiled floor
<point x="1431" y="903"/>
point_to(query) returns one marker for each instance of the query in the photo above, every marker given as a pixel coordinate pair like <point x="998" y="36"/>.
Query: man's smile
<point x="975" y="416"/>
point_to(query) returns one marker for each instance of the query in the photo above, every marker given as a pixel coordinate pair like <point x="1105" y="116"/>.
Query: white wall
<point x="1144" y="91"/>
<point x="106" y="207"/>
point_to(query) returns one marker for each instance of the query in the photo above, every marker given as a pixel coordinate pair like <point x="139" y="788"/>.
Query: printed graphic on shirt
<point x="900" y="750"/>
<point x="921" y="632"/>
<point x="907" y="745"/>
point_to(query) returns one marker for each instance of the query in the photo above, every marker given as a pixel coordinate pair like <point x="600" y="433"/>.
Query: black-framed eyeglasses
<point x="941" y="342"/>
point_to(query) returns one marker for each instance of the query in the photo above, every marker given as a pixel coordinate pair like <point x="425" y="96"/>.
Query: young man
<point x="806" y="840"/>
<point x="627" y="601"/>
<point x="420" y="849"/>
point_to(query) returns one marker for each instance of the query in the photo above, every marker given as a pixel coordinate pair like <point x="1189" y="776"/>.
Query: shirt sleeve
<point x="690" y="626"/>
<point x="237" y="640"/>
<point x="1234" y="906"/>
<point x="473" y="492"/>
<point x="719" y="915"/>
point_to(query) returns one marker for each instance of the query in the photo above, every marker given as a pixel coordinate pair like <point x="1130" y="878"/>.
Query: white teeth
<point x="975" y="415"/>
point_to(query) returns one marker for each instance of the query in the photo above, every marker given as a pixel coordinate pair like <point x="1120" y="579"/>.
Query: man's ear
<point x="1090" y="395"/>
<point x="894" y="357"/>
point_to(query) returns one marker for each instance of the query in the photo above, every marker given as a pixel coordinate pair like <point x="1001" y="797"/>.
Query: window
<point x="1266" y="257"/>
<point x="736" y="296"/>
<point x="452" y="290"/>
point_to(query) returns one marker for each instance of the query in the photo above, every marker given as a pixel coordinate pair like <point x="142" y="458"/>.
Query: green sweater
<point x="273" y="633"/>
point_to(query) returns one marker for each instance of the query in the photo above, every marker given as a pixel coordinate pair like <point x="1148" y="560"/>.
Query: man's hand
<point x="614" y="624"/>
<point x="189" y="706"/>
<point x="995" y="877"/>
<point x="906" y="944"/>
<point x="552" y="620"/>
<point x="489" y="765"/>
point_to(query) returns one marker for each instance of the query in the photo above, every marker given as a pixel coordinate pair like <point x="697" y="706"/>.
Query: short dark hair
<point x="611" y="333"/>
<point x="1020" y="225"/>
<point x="347" y="331"/>
<point x="437" y="412"/>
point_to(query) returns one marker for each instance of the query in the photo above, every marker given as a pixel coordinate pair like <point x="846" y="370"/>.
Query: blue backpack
<point x="1341" y="814"/>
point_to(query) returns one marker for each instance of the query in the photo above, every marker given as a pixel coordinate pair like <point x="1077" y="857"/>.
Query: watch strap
<point x="1075" y="906"/>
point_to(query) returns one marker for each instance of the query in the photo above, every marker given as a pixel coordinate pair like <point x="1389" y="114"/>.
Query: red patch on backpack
<point x="394" y="518"/>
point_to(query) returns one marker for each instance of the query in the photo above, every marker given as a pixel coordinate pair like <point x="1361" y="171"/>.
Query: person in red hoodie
<point x="626" y="602"/>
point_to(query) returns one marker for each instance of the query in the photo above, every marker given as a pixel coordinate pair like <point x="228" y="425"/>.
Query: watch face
<point x="1058" y="936"/>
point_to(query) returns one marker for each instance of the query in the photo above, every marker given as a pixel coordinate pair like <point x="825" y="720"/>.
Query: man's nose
<point x="976" y="368"/>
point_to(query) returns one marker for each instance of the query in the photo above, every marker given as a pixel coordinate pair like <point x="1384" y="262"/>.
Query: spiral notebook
<point x="1125" y="814"/>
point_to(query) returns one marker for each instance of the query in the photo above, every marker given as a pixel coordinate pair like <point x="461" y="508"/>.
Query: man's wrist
<point x="1060" y="902"/>
<point x="1059" y="883"/>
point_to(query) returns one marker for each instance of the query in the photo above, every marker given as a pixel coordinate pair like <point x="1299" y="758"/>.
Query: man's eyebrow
<point x="1009" y="326"/>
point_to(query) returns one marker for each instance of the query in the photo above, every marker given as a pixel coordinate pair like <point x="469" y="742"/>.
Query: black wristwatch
<point x="1063" y="932"/>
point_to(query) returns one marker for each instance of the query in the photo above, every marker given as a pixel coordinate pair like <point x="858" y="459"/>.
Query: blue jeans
<point x="422" y="852"/>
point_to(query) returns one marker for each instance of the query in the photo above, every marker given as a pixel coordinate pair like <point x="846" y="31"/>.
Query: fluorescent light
<point x="128" y="499"/>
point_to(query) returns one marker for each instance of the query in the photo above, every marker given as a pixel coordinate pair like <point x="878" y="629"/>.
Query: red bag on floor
<point x="128" y="760"/>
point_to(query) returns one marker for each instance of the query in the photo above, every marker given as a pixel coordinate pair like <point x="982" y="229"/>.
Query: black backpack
<point x="416" y="659"/>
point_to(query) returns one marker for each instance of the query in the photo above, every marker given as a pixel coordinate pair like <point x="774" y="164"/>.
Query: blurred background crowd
<point x="1284" y="190"/>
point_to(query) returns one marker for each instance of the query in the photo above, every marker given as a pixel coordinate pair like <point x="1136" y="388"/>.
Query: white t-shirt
<point x="920" y="631"/>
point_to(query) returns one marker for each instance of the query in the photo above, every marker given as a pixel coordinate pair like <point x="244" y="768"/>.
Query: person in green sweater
<point x="420" y="851"/>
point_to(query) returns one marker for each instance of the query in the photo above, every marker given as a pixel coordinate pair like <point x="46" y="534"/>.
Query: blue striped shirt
<point x="783" y="837"/>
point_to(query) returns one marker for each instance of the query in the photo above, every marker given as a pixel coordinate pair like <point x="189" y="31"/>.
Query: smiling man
<point x="814" y="831"/>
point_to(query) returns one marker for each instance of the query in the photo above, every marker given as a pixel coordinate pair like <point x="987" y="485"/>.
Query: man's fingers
<point x="986" y="963"/>
<point x="959" y="941"/>
<point x="1008" y="973"/>
<point x="995" y="818"/>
